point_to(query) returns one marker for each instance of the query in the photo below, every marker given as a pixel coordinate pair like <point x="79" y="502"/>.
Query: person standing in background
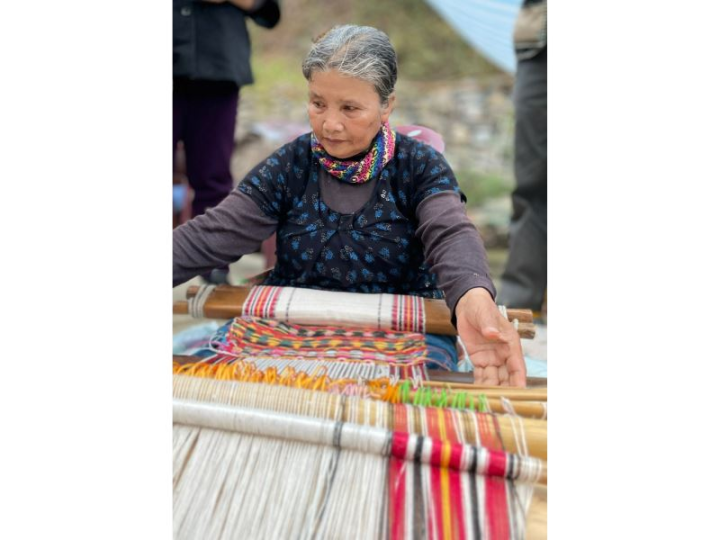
<point x="524" y="281"/>
<point x="211" y="62"/>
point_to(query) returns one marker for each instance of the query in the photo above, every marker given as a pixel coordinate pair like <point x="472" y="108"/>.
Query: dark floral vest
<point x="373" y="250"/>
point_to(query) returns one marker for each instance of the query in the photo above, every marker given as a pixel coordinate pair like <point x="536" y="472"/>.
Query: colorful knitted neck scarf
<point x="358" y="172"/>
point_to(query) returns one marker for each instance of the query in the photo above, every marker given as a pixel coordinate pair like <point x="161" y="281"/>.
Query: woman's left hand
<point x="491" y="340"/>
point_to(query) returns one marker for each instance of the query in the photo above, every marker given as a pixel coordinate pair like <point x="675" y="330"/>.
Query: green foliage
<point x="276" y="77"/>
<point x="427" y="47"/>
<point x="479" y="187"/>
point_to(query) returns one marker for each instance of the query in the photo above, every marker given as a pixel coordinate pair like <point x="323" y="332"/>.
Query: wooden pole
<point x="529" y="403"/>
<point x="535" y="430"/>
<point x="438" y="375"/>
<point x="226" y="301"/>
<point x="525" y="394"/>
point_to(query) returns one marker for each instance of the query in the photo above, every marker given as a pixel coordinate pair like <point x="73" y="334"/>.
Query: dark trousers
<point x="204" y="119"/>
<point x="524" y="280"/>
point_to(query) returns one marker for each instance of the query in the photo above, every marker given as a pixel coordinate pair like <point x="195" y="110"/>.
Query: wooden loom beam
<point x="528" y="402"/>
<point x="535" y="430"/>
<point x="226" y="301"/>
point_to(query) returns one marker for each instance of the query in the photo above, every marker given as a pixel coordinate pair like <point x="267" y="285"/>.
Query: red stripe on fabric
<point x="260" y="302"/>
<point x="456" y="455"/>
<point x="434" y="518"/>
<point x="393" y="317"/>
<point x="457" y="451"/>
<point x="432" y="424"/>
<point x="412" y="313"/>
<point x="416" y="314"/>
<point x="486" y="429"/>
<point x="457" y="512"/>
<point x="412" y="317"/>
<point x="396" y="496"/>
<point x="260" y="293"/>
<point x="247" y="305"/>
<point x="482" y="429"/>
<point x="400" y="419"/>
<point x="497" y="463"/>
<point x="398" y="467"/>
<point x="496" y="509"/>
<point x="407" y="314"/>
<point x="450" y="431"/>
<point x="458" y="506"/>
<point x="273" y="302"/>
<point x="435" y="485"/>
<point x="266" y="302"/>
<point x="399" y="444"/>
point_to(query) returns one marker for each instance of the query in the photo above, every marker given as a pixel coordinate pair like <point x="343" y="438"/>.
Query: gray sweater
<point x="237" y="227"/>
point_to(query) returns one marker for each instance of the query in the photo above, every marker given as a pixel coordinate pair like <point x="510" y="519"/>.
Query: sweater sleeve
<point x="453" y="247"/>
<point x="220" y="236"/>
<point x="432" y="174"/>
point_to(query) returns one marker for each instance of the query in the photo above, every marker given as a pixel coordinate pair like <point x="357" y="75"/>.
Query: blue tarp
<point x="487" y="25"/>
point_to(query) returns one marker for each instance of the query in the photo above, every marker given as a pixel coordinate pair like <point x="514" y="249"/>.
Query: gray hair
<point x="362" y="52"/>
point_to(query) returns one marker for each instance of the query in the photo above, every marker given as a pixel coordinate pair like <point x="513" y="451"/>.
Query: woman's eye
<point x="349" y="108"/>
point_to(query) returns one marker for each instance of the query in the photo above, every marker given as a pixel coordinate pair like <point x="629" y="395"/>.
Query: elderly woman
<point x="358" y="207"/>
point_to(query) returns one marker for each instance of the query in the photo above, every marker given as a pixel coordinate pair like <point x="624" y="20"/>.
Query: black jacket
<point x="211" y="42"/>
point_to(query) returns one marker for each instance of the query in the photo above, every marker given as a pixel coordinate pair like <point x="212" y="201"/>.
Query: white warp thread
<point x="354" y="437"/>
<point x="504" y="313"/>
<point x="196" y="304"/>
<point x="366" y="439"/>
<point x="314" y="307"/>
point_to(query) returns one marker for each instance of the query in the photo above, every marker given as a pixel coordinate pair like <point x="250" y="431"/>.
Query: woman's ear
<point x="386" y="110"/>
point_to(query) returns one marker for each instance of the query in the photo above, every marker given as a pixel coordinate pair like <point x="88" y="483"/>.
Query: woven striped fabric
<point x="253" y="338"/>
<point x="351" y="378"/>
<point x="392" y="312"/>
<point x="436" y="473"/>
<point x="454" y="506"/>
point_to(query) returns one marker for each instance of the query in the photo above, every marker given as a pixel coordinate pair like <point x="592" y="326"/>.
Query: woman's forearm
<point x="219" y="237"/>
<point x="453" y="247"/>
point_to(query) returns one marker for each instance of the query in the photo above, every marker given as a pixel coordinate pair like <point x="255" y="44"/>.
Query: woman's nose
<point x="332" y="123"/>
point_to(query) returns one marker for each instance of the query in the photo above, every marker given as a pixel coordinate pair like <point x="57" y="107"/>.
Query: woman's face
<point x="345" y="113"/>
